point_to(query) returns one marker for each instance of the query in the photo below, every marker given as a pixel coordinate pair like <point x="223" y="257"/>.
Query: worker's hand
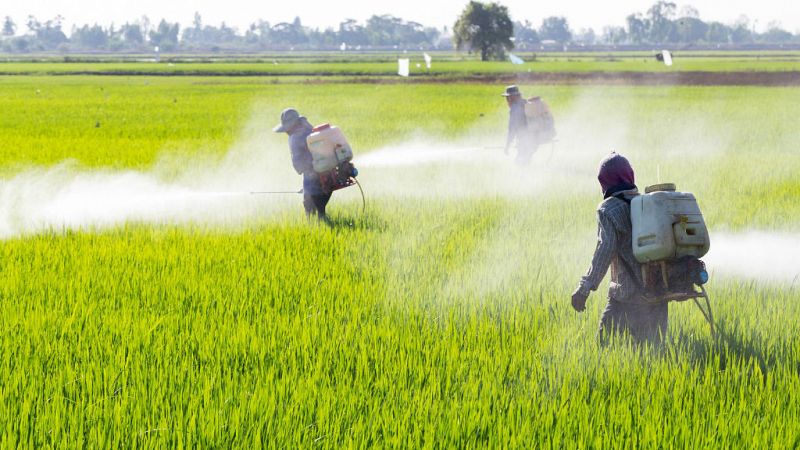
<point x="579" y="300"/>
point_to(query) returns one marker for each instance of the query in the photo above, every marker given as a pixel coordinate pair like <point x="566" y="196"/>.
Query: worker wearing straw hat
<point x="518" y="127"/>
<point x="315" y="198"/>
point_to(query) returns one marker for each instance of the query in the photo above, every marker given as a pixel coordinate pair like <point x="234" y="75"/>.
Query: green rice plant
<point x="438" y="318"/>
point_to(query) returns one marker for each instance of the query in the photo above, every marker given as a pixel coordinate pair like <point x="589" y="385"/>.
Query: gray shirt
<point x="301" y="159"/>
<point x="615" y="250"/>
<point x="517" y="124"/>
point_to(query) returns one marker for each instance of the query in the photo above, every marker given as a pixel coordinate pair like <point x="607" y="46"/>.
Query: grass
<point x="438" y="319"/>
<point x="385" y="64"/>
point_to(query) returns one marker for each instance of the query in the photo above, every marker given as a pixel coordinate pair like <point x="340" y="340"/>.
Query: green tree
<point x="389" y="30"/>
<point x="586" y="36"/>
<point x="165" y="36"/>
<point x="258" y="33"/>
<point x="486" y="28"/>
<point x="718" y="33"/>
<point x="9" y="27"/>
<point x="132" y="34"/>
<point x="352" y="33"/>
<point x="660" y="15"/>
<point x="775" y="34"/>
<point x="48" y="35"/>
<point x="94" y="37"/>
<point x="741" y="35"/>
<point x="741" y="31"/>
<point x="525" y="36"/>
<point x="637" y="28"/>
<point x="555" y="29"/>
<point x="289" y="34"/>
<point x="691" y="29"/>
<point x="613" y="35"/>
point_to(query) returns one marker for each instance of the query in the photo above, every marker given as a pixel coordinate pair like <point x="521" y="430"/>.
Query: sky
<point x="327" y="13"/>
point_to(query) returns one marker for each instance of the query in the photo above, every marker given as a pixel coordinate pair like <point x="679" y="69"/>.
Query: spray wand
<point x="277" y="192"/>
<point x="363" y="198"/>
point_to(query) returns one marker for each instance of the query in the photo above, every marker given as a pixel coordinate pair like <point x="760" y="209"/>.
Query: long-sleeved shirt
<point x="615" y="249"/>
<point x="517" y="124"/>
<point x="302" y="161"/>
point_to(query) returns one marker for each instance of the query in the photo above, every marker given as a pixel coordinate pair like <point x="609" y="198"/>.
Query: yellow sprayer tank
<point x="328" y="147"/>
<point x="667" y="224"/>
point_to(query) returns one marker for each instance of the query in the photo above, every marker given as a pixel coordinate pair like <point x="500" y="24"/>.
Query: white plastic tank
<point x="667" y="224"/>
<point x="328" y="147"/>
<point x="535" y="108"/>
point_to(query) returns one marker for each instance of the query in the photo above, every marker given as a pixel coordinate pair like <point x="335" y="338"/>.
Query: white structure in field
<point x="667" y="57"/>
<point x="402" y="67"/>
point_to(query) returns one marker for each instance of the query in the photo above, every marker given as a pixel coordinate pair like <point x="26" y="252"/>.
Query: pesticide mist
<point x="206" y="190"/>
<point x="756" y="255"/>
<point x="217" y="191"/>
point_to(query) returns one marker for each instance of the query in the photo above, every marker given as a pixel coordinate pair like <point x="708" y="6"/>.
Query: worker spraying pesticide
<point x="322" y="155"/>
<point x="652" y="243"/>
<point x="530" y="124"/>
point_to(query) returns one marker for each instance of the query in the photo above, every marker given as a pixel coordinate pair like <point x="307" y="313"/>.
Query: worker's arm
<point x="516" y="123"/>
<point x="603" y="254"/>
<point x="510" y="135"/>
<point x="509" y="141"/>
<point x="301" y="157"/>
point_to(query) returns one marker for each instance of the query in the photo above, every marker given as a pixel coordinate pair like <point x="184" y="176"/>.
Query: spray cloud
<point x="217" y="192"/>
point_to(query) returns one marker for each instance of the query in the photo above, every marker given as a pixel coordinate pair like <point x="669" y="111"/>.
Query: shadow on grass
<point x="733" y="346"/>
<point x="359" y="222"/>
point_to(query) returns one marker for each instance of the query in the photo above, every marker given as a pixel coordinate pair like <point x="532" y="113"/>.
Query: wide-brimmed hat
<point x="289" y="117"/>
<point x="511" y="90"/>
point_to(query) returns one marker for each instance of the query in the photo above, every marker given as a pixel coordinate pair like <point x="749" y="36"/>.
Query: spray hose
<point x="277" y="192"/>
<point x="706" y="312"/>
<point x="694" y="295"/>
<point x="363" y="197"/>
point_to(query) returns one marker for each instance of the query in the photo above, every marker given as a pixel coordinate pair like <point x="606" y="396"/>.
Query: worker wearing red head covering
<point x="627" y="310"/>
<point x="615" y="175"/>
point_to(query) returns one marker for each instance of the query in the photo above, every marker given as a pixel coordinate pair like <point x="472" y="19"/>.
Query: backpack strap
<point x="649" y="296"/>
<point x="621" y="196"/>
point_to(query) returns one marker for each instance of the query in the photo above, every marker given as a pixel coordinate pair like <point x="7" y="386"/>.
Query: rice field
<point x="445" y="64"/>
<point x="438" y="317"/>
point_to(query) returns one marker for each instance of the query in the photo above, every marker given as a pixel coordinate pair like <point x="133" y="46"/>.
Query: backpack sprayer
<point x="541" y="125"/>
<point x="331" y="157"/>
<point x="669" y="237"/>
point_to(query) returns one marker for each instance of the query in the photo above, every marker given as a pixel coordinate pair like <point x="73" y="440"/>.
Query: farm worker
<point x="518" y="126"/>
<point x="530" y="123"/>
<point x="315" y="198"/>
<point x="626" y="309"/>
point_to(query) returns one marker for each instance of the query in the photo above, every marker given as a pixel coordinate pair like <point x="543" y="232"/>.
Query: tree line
<point x="662" y="23"/>
<point x="486" y="28"/>
<point x="144" y="35"/>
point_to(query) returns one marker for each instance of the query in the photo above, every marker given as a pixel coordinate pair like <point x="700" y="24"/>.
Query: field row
<point x="446" y="66"/>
